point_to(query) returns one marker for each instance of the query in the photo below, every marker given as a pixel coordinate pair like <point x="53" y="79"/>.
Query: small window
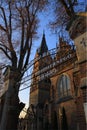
<point x="63" y="86"/>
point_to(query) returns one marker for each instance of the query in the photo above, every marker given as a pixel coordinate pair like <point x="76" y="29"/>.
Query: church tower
<point x="40" y="89"/>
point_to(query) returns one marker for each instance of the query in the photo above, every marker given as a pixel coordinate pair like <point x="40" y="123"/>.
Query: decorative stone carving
<point x="78" y="32"/>
<point x="78" y="27"/>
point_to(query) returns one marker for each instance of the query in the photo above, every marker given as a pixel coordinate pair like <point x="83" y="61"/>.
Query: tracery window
<point x="63" y="86"/>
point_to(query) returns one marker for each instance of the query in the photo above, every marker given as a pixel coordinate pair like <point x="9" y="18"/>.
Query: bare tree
<point x="64" y="11"/>
<point x="18" y="24"/>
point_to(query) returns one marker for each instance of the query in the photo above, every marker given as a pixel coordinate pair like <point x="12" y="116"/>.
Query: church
<point x="59" y="84"/>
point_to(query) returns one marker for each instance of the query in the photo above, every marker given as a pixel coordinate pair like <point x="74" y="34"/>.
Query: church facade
<point x="59" y="86"/>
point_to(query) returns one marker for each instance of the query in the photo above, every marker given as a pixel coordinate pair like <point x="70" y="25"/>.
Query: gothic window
<point x="63" y="86"/>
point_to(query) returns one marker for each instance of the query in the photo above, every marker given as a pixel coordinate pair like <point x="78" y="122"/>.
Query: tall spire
<point x="43" y="47"/>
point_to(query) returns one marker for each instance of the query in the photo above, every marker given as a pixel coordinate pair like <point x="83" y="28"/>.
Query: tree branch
<point x="5" y="52"/>
<point x="10" y="21"/>
<point x="5" y="20"/>
<point x="5" y="47"/>
<point x="68" y="11"/>
<point x="28" y="54"/>
<point x="2" y="28"/>
<point x="22" y="37"/>
<point x="6" y="26"/>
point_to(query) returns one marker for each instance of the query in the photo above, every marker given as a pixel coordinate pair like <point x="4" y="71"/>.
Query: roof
<point x="43" y="47"/>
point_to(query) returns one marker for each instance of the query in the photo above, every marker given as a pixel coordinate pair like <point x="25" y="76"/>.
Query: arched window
<point x="63" y="86"/>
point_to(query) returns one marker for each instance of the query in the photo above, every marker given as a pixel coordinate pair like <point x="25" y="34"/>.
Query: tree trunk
<point x="12" y="108"/>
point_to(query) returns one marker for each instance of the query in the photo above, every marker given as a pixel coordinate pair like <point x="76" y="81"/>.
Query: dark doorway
<point x="55" y="122"/>
<point x="64" y="124"/>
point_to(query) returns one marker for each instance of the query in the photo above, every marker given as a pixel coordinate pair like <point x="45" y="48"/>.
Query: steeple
<point x="43" y="47"/>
